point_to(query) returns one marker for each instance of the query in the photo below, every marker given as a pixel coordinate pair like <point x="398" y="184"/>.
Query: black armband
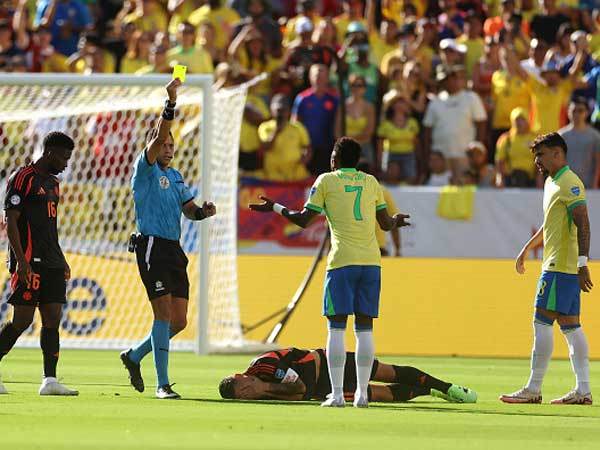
<point x="199" y="214"/>
<point x="169" y="111"/>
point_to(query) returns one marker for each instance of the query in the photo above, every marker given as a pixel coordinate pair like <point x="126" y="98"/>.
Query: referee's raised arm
<point x="161" y="133"/>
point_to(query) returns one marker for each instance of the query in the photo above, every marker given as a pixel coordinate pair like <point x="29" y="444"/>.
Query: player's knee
<point x="542" y="318"/>
<point x="337" y="322"/>
<point x="20" y="324"/>
<point x="362" y="323"/>
<point x="568" y="323"/>
<point x="178" y="325"/>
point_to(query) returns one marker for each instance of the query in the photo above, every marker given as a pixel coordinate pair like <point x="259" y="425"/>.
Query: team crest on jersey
<point x="279" y="374"/>
<point x="15" y="200"/>
<point x="312" y="191"/>
<point x="159" y="286"/>
<point x="575" y="190"/>
<point x="164" y="182"/>
<point x="27" y="296"/>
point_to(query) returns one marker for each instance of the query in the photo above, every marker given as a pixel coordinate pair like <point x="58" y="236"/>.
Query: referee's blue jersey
<point x="159" y="195"/>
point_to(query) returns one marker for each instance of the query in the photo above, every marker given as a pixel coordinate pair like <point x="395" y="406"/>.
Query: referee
<point x="160" y="196"/>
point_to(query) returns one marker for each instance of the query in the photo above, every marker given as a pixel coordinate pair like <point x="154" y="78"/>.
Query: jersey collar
<point x="348" y="169"/>
<point x="559" y="173"/>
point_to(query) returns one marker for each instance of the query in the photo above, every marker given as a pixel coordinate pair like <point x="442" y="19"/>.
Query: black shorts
<point x="163" y="267"/>
<point x="45" y="286"/>
<point x="324" y="384"/>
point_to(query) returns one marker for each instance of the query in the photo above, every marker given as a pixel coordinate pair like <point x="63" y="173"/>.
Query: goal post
<point x="107" y="115"/>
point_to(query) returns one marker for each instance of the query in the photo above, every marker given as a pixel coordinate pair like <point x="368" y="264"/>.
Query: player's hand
<point x="209" y="209"/>
<point x="24" y="271"/>
<point x="520" y="262"/>
<point x="266" y="206"/>
<point x="400" y="220"/>
<point x="253" y="389"/>
<point x="67" y="272"/>
<point x="585" y="280"/>
<point x="172" y="89"/>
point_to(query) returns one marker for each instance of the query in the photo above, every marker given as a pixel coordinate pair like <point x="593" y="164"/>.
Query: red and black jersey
<point x="273" y="367"/>
<point x="36" y="196"/>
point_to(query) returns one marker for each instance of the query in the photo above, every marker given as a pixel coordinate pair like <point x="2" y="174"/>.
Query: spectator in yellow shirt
<point x="397" y="140"/>
<point x="509" y="91"/>
<point x="222" y="17"/>
<point x="187" y="53"/>
<point x="180" y="11"/>
<point x="138" y="52"/>
<point x="250" y="52"/>
<point x="255" y="112"/>
<point x="473" y="41"/>
<point x="148" y="15"/>
<point x="91" y="57"/>
<point x="360" y="118"/>
<point x="550" y="94"/>
<point x="158" y="62"/>
<point x="514" y="162"/>
<point x="305" y="8"/>
<point x="285" y="144"/>
<point x="353" y="12"/>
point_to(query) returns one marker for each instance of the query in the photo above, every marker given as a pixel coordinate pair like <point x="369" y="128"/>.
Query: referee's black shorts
<point x="162" y="265"/>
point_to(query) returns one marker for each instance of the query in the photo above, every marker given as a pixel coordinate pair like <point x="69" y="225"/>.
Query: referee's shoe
<point x="135" y="375"/>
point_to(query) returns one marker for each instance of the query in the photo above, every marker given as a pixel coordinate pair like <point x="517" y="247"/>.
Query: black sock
<point x="8" y="337"/>
<point x="404" y="392"/>
<point x="414" y="377"/>
<point x="50" y="347"/>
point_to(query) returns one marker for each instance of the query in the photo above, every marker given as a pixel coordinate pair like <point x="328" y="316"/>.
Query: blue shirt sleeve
<point x="40" y="11"/>
<point x="296" y="107"/>
<point x="184" y="191"/>
<point x="143" y="169"/>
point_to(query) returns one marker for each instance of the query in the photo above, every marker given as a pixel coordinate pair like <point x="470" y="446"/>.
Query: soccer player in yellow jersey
<point x="352" y="200"/>
<point x="566" y="237"/>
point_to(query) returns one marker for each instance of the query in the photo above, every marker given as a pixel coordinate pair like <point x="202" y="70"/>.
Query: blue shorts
<point x="352" y="290"/>
<point x="560" y="292"/>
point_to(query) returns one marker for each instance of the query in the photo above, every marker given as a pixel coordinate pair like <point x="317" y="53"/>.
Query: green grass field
<point x="108" y="414"/>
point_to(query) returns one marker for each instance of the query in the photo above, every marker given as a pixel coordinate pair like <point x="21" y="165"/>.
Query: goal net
<point x="108" y="117"/>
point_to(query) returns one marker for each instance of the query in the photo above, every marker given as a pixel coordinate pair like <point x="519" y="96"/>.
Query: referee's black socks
<point x="49" y="342"/>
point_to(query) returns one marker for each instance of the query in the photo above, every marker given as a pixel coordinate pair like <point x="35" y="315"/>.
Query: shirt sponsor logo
<point x="164" y="182"/>
<point x="159" y="286"/>
<point x="575" y="190"/>
<point x="15" y="200"/>
<point x="279" y="374"/>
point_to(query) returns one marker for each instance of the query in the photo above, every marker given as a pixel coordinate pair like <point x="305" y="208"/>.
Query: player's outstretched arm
<point x="285" y="391"/>
<point x="300" y="218"/>
<point x="194" y="212"/>
<point x="582" y="221"/>
<point x="164" y="122"/>
<point x="387" y="222"/>
<point x="14" y="238"/>
<point x="535" y="240"/>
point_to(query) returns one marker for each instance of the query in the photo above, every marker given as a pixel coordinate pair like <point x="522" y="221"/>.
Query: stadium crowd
<point x="435" y="91"/>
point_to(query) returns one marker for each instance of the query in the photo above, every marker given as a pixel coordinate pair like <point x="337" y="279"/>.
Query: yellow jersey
<point x="508" y="92"/>
<point x="196" y="59"/>
<point x="475" y="50"/>
<point x="562" y="193"/>
<point x="223" y="20"/>
<point x="350" y="199"/>
<point x="398" y="140"/>
<point x="283" y="162"/>
<point x="249" y="141"/>
<point x="547" y="103"/>
<point x="514" y="150"/>
<point x="392" y="209"/>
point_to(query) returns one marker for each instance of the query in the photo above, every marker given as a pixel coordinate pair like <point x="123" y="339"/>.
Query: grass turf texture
<point x="109" y="414"/>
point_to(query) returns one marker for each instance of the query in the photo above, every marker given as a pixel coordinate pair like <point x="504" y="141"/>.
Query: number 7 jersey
<point x="349" y="198"/>
<point x="36" y="196"/>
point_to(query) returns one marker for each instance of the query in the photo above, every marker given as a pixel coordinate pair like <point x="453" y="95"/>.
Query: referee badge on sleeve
<point x="15" y="200"/>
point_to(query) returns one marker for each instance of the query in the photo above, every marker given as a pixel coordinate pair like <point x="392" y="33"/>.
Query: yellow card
<point x="179" y="72"/>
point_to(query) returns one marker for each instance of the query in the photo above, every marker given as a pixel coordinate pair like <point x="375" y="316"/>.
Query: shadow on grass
<point x="402" y="407"/>
<point x="37" y="383"/>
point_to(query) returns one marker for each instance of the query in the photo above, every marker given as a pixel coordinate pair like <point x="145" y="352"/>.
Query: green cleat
<point x="456" y="394"/>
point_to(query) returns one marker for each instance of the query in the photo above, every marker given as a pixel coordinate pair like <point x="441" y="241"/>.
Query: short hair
<point x="57" y="140"/>
<point x="579" y="100"/>
<point x="226" y="387"/>
<point x="549" y="140"/>
<point x="348" y="150"/>
<point x="438" y="153"/>
<point x="153" y="132"/>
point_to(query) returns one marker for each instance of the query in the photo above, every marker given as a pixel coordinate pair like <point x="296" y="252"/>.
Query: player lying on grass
<point x="294" y="374"/>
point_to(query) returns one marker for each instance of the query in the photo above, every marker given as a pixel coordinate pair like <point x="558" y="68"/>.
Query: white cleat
<point x="333" y="402"/>
<point x="50" y="386"/>
<point x="2" y="388"/>
<point x="523" y="395"/>
<point x="360" y="402"/>
<point x="573" y="398"/>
